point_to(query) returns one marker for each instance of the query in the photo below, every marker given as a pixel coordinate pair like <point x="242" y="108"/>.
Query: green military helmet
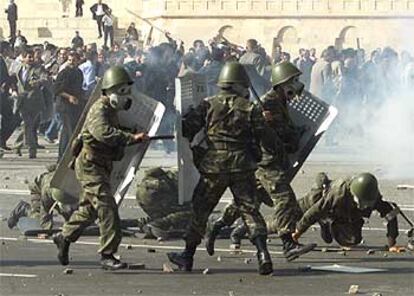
<point x="154" y="172"/>
<point x="365" y="188"/>
<point x="233" y="72"/>
<point x="60" y="196"/>
<point x="114" y="76"/>
<point x="322" y="180"/>
<point x="283" y="72"/>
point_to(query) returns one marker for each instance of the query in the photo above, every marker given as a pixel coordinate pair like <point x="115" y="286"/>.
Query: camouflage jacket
<point x="275" y="147"/>
<point x="102" y="135"/>
<point x="337" y="204"/>
<point x="234" y="128"/>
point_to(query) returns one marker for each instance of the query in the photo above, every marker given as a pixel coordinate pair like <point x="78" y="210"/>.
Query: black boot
<point x="19" y="211"/>
<point x="237" y="235"/>
<point x="109" y="262"/>
<point x="263" y="256"/>
<point x="292" y="249"/>
<point x="63" y="248"/>
<point x="212" y="234"/>
<point x="326" y="233"/>
<point x="32" y="153"/>
<point x="184" y="260"/>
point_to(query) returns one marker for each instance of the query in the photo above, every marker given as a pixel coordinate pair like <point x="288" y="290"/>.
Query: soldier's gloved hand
<point x="396" y="249"/>
<point x="140" y="137"/>
<point x="296" y="235"/>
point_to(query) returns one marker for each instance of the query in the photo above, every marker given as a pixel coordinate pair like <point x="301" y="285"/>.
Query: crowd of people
<point x="45" y="87"/>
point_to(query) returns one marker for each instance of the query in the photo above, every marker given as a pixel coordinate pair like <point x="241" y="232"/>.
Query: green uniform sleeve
<point x="384" y="208"/>
<point x="194" y="120"/>
<point x="333" y="199"/>
<point x="103" y="131"/>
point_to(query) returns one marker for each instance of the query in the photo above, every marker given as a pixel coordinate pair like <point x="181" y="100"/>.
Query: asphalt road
<point x="28" y="266"/>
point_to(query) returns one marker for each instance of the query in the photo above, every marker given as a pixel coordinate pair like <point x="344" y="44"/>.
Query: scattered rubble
<point x="167" y="268"/>
<point x="128" y="247"/>
<point x="370" y="252"/>
<point x="151" y="250"/>
<point x="219" y="258"/>
<point x="68" y="271"/>
<point x="353" y="289"/>
<point x="206" y="271"/>
<point x="247" y="261"/>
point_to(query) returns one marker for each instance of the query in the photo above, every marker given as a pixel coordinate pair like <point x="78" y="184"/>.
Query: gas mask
<point x="241" y="90"/>
<point x="121" y="98"/>
<point x="292" y="88"/>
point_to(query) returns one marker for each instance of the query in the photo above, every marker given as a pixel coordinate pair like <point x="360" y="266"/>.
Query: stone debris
<point x="231" y="293"/>
<point x="6" y="186"/>
<point x="68" y="271"/>
<point x="219" y="259"/>
<point x="377" y="294"/>
<point x="353" y="289"/>
<point x="139" y="292"/>
<point x="206" y="271"/>
<point x="128" y="247"/>
<point x="42" y="236"/>
<point x="343" y="253"/>
<point x="151" y="250"/>
<point x="324" y="250"/>
<point x="370" y="252"/>
<point x="269" y="240"/>
<point x="167" y="268"/>
<point x="136" y="266"/>
<point x="247" y="261"/>
<point x="234" y="247"/>
<point x="25" y="181"/>
<point x="7" y="178"/>
<point x="236" y="252"/>
<point x="385" y="255"/>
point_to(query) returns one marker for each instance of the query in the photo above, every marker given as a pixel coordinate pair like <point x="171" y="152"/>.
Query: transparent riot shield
<point x="144" y="115"/>
<point x="190" y="91"/>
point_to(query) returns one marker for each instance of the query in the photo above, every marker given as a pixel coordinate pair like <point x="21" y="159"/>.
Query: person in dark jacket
<point x="12" y="17"/>
<point x="98" y="12"/>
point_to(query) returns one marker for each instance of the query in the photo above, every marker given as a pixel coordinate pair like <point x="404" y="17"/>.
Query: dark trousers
<point x="8" y="120"/>
<point x="69" y="120"/>
<point x="79" y="10"/>
<point x="12" y="25"/>
<point x="100" y="24"/>
<point x="109" y="33"/>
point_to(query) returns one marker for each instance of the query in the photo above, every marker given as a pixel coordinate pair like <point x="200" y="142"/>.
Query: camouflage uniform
<point x="336" y="206"/>
<point x="230" y="160"/>
<point x="280" y="138"/>
<point x="42" y="203"/>
<point x="103" y="143"/>
<point x="157" y="195"/>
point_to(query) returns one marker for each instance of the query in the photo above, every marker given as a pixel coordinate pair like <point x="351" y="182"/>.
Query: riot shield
<point x="190" y="90"/>
<point x="315" y="116"/>
<point x="309" y="112"/>
<point x="144" y="115"/>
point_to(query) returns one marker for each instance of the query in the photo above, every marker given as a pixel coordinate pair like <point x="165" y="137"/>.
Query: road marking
<point x="48" y="241"/>
<point x="18" y="275"/>
<point x="409" y="208"/>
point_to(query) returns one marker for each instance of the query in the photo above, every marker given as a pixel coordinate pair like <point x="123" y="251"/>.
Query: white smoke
<point x="389" y="136"/>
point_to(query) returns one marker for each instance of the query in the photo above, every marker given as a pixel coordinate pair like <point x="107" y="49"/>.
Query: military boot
<point x="212" y="234"/>
<point x="263" y="256"/>
<point x="292" y="249"/>
<point x="184" y="260"/>
<point x="238" y="233"/>
<point x="19" y="211"/>
<point x="326" y="232"/>
<point x="109" y="262"/>
<point x="63" y="248"/>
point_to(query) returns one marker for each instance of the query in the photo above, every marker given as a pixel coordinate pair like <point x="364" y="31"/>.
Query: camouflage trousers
<point x="346" y="233"/>
<point x="39" y="210"/>
<point x="207" y="194"/>
<point x="286" y="210"/>
<point x="96" y="202"/>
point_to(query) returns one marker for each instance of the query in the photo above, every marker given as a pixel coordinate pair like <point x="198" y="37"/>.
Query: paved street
<point x="28" y="266"/>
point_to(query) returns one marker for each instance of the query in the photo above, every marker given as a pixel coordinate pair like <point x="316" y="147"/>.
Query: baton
<point x="162" y="137"/>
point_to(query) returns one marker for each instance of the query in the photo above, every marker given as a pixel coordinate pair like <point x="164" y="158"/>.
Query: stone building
<point x="291" y="23"/>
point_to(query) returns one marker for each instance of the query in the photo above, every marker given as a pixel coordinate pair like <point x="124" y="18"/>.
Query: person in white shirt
<point x="108" y="24"/>
<point x="98" y="12"/>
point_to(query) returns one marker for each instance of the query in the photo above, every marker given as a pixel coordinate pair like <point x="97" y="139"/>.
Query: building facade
<point x="291" y="23"/>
